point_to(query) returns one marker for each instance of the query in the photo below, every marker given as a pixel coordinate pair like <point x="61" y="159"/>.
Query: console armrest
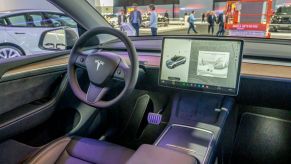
<point x="148" y="154"/>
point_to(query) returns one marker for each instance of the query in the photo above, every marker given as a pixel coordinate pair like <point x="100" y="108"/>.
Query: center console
<point x="192" y="134"/>
<point x="211" y="67"/>
<point x="196" y="124"/>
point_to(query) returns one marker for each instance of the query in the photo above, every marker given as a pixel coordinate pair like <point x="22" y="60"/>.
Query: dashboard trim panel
<point x="248" y="69"/>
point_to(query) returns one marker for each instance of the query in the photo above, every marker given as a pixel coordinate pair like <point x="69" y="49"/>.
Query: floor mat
<point x="12" y="152"/>
<point x="262" y="139"/>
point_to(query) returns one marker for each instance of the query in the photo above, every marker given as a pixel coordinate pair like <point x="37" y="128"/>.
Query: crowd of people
<point x="211" y="19"/>
<point x="135" y="19"/>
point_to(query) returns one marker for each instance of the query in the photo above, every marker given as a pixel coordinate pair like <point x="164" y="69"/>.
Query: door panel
<point x="30" y="90"/>
<point x="23" y="91"/>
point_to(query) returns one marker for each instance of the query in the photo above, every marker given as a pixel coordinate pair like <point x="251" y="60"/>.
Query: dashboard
<point x="149" y="54"/>
<point x="260" y="59"/>
<point x="259" y="76"/>
<point x="206" y="65"/>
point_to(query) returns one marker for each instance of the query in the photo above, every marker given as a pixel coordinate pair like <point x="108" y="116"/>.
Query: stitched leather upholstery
<point x="72" y="150"/>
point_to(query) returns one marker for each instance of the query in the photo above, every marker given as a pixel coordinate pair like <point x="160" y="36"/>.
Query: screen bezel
<point x="235" y="93"/>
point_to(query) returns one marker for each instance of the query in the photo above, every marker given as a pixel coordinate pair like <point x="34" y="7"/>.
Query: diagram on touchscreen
<point x="213" y="64"/>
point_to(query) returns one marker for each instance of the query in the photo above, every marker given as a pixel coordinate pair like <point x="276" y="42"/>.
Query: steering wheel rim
<point x="115" y="67"/>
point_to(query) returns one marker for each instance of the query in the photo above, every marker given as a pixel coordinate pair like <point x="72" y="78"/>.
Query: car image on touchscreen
<point x="176" y="61"/>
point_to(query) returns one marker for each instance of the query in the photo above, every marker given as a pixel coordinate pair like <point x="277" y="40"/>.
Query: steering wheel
<point x="102" y="68"/>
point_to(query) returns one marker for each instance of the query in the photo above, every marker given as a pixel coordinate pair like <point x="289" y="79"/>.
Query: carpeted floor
<point x="262" y="139"/>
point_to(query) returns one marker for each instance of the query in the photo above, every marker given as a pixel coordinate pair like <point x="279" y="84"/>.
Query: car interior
<point x="117" y="101"/>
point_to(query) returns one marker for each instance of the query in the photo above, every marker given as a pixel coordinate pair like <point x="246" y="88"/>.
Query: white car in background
<point x="21" y="30"/>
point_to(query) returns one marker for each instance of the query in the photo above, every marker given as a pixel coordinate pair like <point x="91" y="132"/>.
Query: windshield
<point x="240" y="18"/>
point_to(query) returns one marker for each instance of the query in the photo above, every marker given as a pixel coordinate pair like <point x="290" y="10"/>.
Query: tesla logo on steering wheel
<point x="99" y="63"/>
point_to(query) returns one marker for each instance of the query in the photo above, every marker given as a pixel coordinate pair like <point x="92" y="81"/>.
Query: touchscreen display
<point x="208" y="65"/>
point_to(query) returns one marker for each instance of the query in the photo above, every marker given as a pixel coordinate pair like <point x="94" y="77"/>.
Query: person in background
<point x="203" y="17"/>
<point x="186" y="16"/>
<point x="122" y="17"/>
<point x="167" y="16"/>
<point x="135" y="18"/>
<point x="211" y="19"/>
<point x="191" y="21"/>
<point x="207" y="14"/>
<point x="220" y="22"/>
<point x="153" y="20"/>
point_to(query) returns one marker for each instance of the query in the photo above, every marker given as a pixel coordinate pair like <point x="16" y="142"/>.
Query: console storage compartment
<point x="188" y="140"/>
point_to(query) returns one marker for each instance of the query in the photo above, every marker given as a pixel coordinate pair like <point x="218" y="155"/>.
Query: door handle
<point x="19" y="33"/>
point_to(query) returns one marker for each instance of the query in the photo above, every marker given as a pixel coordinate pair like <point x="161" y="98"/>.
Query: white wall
<point x="25" y="4"/>
<point x="199" y="6"/>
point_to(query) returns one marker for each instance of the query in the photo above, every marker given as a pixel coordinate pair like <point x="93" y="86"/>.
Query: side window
<point x="2" y="22"/>
<point x="59" y="20"/>
<point x="17" y="20"/>
<point x="68" y="21"/>
<point x="35" y="20"/>
<point x="279" y="10"/>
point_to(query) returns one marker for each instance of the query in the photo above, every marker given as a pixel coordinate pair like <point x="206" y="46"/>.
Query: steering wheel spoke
<point x="122" y="72"/>
<point x="81" y="61"/>
<point x="95" y="93"/>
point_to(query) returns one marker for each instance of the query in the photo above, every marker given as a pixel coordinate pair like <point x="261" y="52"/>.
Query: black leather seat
<point x="80" y="151"/>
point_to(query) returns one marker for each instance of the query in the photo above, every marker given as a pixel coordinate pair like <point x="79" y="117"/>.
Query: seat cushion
<point x="149" y="154"/>
<point x="81" y="150"/>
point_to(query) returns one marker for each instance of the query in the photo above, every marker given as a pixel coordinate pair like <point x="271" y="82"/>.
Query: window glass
<point x="33" y="32"/>
<point x="285" y="10"/>
<point x="2" y="22"/>
<point x="237" y="18"/>
<point x="17" y="20"/>
<point x="35" y="19"/>
<point x="61" y="20"/>
<point x="69" y="22"/>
